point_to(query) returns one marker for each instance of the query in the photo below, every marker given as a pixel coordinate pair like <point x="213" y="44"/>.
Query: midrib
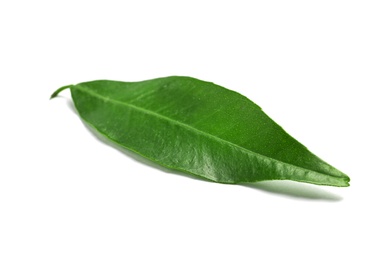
<point x="149" y="112"/>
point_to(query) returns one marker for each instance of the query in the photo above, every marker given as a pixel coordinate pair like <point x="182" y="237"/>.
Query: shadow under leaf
<point x="294" y="189"/>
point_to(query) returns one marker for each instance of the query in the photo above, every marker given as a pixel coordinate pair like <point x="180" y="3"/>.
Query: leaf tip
<point x="342" y="182"/>
<point x="347" y="182"/>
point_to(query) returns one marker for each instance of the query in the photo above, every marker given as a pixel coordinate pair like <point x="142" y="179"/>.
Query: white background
<point x="318" y="68"/>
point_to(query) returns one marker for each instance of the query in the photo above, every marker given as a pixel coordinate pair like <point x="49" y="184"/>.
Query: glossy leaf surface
<point x="199" y="128"/>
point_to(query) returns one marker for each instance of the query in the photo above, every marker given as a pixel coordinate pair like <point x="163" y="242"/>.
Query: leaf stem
<point x="59" y="90"/>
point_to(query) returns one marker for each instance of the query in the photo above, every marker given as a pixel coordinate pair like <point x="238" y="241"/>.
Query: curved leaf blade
<point x="199" y="128"/>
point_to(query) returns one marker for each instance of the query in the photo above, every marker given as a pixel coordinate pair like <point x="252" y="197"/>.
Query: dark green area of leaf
<point x="199" y="128"/>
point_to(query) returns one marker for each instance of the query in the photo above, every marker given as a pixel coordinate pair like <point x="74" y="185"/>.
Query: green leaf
<point x="199" y="128"/>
